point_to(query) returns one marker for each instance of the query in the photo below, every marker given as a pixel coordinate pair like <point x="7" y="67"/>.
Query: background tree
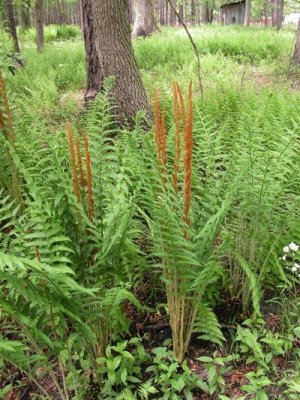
<point x="247" y="12"/>
<point x="277" y="13"/>
<point x="172" y="13"/>
<point x="113" y="44"/>
<point x="181" y="13"/>
<point x="144" y="22"/>
<point x="10" y="23"/>
<point x="39" y="17"/>
<point x="25" y="14"/>
<point x="193" y="12"/>
<point x="266" y="12"/>
<point x="94" y="68"/>
<point x="207" y="12"/>
<point x="296" y="53"/>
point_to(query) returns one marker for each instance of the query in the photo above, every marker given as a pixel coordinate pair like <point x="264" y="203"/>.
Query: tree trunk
<point x="277" y="13"/>
<point x="167" y="12"/>
<point x="247" y="12"/>
<point x="115" y="52"/>
<point x="181" y="13"/>
<point x="144" y="23"/>
<point x="11" y="23"/>
<point x="296" y="54"/>
<point x="130" y="11"/>
<point x="205" y="13"/>
<point x="193" y="12"/>
<point x="266" y="12"/>
<point x="80" y="16"/>
<point x="39" y="17"/>
<point x="280" y="13"/>
<point x="59" y="13"/>
<point x="25" y="14"/>
<point x="94" y="68"/>
<point x="172" y="13"/>
<point x="162" y="19"/>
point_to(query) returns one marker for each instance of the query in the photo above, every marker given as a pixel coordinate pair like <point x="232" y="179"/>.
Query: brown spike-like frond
<point x="73" y="162"/>
<point x="177" y="138"/>
<point x="79" y="163"/>
<point x="9" y="124"/>
<point x="89" y="178"/>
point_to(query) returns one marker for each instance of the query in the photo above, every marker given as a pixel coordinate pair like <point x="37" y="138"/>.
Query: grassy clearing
<point x="94" y="254"/>
<point x="230" y="57"/>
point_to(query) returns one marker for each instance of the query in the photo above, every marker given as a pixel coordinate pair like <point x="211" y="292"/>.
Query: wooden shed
<point x="233" y="12"/>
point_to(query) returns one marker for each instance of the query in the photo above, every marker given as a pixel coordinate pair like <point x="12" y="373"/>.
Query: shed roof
<point x="232" y="2"/>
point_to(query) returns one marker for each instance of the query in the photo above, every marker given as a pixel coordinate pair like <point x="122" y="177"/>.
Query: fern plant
<point x="183" y="234"/>
<point x="266" y="203"/>
<point x="67" y="260"/>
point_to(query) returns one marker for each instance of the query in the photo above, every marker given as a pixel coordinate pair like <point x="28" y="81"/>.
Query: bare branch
<point x="193" y="45"/>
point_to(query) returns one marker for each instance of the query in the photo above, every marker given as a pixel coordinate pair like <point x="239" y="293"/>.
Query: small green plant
<point x="258" y="381"/>
<point x="217" y="367"/>
<point x="261" y="345"/>
<point x="121" y="368"/>
<point x="173" y="380"/>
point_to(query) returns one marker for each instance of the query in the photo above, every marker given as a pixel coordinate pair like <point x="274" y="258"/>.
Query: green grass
<point x="229" y="58"/>
<point x="252" y="45"/>
<point x="53" y="33"/>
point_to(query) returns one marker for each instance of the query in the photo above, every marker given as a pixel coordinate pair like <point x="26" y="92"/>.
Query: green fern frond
<point x="208" y="325"/>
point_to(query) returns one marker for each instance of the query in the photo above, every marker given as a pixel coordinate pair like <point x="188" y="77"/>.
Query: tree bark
<point x="277" y="13"/>
<point x="94" y="68"/>
<point x="172" y="13"/>
<point x="39" y="17"/>
<point x="59" y="13"/>
<point x="266" y="12"/>
<point x="296" y="54"/>
<point x="25" y="14"/>
<point x="280" y="13"/>
<point x="205" y="13"/>
<point x="181" y="13"/>
<point x="193" y="12"/>
<point x="11" y="23"/>
<point x="162" y="18"/>
<point x="115" y="52"/>
<point x="144" y="22"/>
<point x="247" y="12"/>
<point x="130" y="11"/>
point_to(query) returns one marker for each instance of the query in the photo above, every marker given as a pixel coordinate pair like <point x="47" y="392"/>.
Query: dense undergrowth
<point x="100" y="232"/>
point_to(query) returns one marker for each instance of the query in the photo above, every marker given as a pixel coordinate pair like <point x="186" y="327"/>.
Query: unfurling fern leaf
<point x="208" y="325"/>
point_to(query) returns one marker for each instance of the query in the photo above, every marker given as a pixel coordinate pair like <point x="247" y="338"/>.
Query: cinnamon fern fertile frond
<point x="186" y="272"/>
<point x="89" y="178"/>
<point x="73" y="162"/>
